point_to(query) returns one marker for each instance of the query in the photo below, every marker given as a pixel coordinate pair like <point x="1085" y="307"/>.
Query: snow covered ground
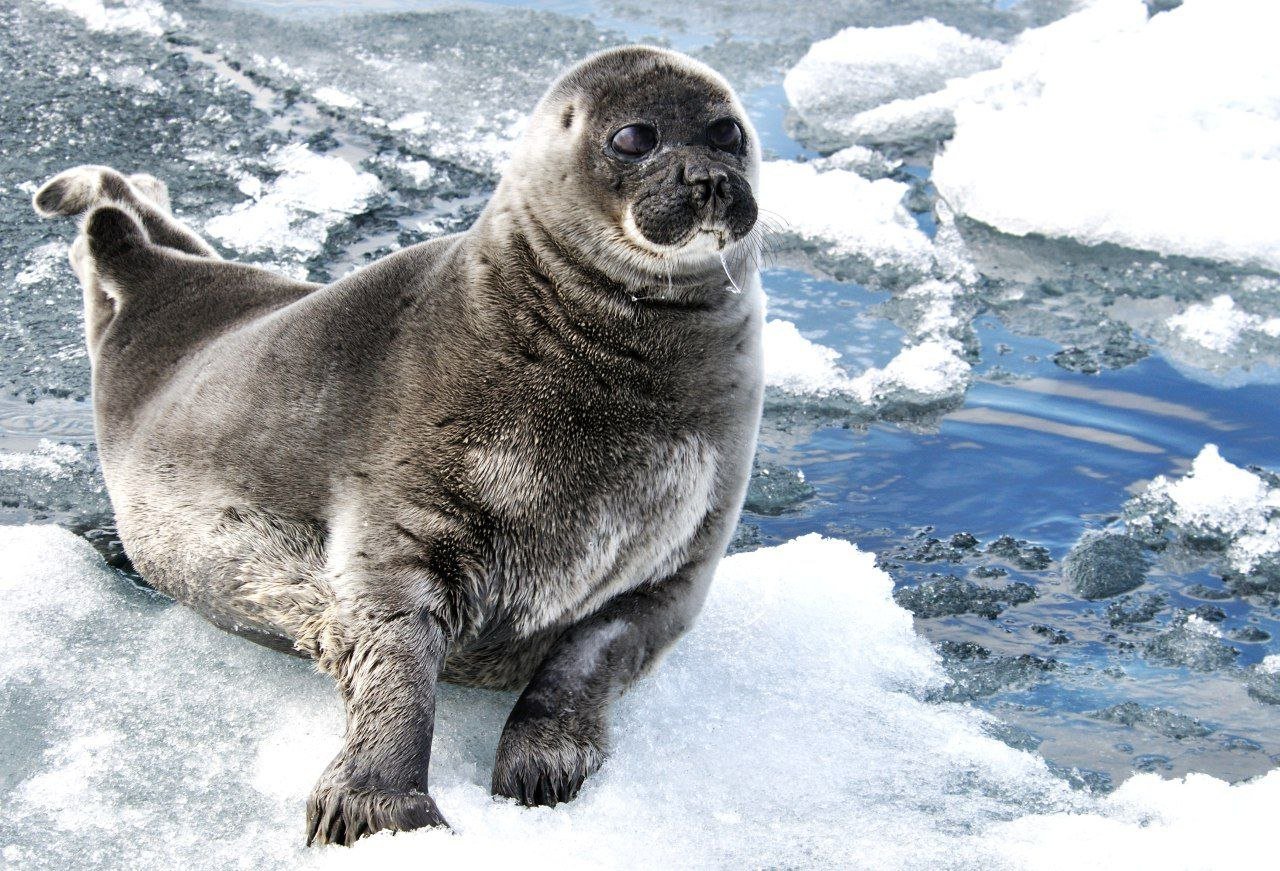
<point x="786" y="729"/>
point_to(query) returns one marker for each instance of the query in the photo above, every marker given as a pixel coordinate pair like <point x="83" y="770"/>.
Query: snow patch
<point x="790" y="715"/>
<point x="43" y="264"/>
<point x="336" y="98"/>
<point x="1218" y="500"/>
<point x="863" y="67"/>
<point x="930" y="367"/>
<point x="49" y="459"/>
<point x="293" y="213"/>
<point x="1218" y="325"/>
<point x="1098" y="128"/>
<point x="844" y="213"/>
<point x="145" y="16"/>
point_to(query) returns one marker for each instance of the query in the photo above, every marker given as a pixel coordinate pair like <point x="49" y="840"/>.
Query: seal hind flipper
<point x="113" y="235"/>
<point x="78" y="190"/>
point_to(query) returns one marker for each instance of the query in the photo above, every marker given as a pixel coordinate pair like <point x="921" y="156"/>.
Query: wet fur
<point x="509" y="458"/>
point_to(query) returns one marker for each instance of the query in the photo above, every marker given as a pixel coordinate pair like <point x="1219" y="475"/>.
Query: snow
<point x="798" y="365"/>
<point x="786" y="729"/>
<point x="928" y="368"/>
<point x="293" y="213"/>
<point x="846" y="214"/>
<point x="1218" y="325"/>
<point x="336" y="98"/>
<point x="44" y="263"/>
<point x="1196" y="623"/>
<point x="863" y="67"/>
<point x="145" y="16"/>
<point x="49" y="459"/>
<point x="1156" y="134"/>
<point x="1220" y="500"/>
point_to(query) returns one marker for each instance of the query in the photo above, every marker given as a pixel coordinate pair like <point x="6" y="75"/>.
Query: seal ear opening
<point x="566" y="117"/>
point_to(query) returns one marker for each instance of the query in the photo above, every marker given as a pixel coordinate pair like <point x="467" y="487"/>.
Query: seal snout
<point x="708" y="187"/>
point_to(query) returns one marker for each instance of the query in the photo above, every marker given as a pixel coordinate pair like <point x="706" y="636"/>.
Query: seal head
<point x="641" y="162"/>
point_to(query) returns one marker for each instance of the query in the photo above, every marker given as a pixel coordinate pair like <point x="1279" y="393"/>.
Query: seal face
<point x="510" y="458"/>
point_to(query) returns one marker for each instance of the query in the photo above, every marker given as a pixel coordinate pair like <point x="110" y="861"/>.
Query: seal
<point x="508" y="458"/>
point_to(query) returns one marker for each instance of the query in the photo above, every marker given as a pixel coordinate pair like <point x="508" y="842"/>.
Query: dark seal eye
<point x="635" y="140"/>
<point x="725" y="134"/>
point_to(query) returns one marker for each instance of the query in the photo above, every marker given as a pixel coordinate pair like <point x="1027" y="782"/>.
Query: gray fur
<point x="509" y="458"/>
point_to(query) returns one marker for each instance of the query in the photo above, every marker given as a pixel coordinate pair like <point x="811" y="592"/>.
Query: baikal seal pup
<point x="506" y="458"/>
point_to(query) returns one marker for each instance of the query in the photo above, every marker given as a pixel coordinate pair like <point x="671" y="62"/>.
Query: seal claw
<point x="544" y="762"/>
<point x="338" y="815"/>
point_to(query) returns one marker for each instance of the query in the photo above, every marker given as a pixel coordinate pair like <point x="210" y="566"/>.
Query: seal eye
<point x="725" y="134"/>
<point x="635" y="140"/>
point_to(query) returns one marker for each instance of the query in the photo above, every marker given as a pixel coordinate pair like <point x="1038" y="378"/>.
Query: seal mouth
<point x="709" y="237"/>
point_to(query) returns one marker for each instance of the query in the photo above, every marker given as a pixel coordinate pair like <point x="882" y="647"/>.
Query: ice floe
<point x="1100" y="128"/>
<point x="787" y="729"/>
<point x="844" y="216"/>
<point x="863" y="67"/>
<point x="1219" y="324"/>
<point x="1215" y="502"/>
<point x="293" y="213"/>
<point x="145" y="16"/>
<point x="49" y="459"/>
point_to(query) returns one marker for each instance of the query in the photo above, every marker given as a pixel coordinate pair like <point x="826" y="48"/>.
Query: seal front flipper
<point x="387" y="674"/>
<point x="557" y="734"/>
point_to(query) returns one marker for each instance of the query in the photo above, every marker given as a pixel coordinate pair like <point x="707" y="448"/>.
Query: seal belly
<point x="635" y="526"/>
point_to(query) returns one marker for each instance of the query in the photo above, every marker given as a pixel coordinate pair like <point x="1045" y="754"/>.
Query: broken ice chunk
<point x="863" y="67"/>
<point x="1105" y="566"/>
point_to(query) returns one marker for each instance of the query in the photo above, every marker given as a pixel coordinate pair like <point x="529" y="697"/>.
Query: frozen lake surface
<point x="1008" y="581"/>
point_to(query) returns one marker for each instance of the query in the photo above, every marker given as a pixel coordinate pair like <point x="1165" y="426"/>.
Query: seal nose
<point x="709" y="185"/>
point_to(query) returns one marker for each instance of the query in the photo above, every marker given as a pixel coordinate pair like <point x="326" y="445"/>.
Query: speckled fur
<point x="509" y="458"/>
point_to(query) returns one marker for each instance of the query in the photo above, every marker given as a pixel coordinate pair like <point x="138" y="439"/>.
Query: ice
<point x="786" y="729"/>
<point x="975" y="672"/>
<point x="49" y="459"/>
<point x="850" y="217"/>
<point x="1218" y="502"/>
<point x="1130" y="610"/>
<point x="775" y="490"/>
<point x="863" y="67"/>
<point x="292" y="214"/>
<point x="449" y="84"/>
<point x="144" y="16"/>
<point x="1098" y="128"/>
<point x="929" y="372"/>
<point x="919" y="376"/>
<point x="1168" y="723"/>
<point x="1191" y="646"/>
<point x="1219" y="325"/>
<point x="947" y="596"/>
<point x="1105" y="566"/>
<point x="336" y="98"/>
<point x="1024" y="555"/>
<point x="1196" y="822"/>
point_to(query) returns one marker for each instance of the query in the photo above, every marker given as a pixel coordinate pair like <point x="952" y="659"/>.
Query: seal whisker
<point x="725" y="267"/>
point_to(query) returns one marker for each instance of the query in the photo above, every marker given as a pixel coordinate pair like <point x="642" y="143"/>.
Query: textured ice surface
<point x="786" y="729"/>
<point x="293" y="213"/>
<point x="1219" y="324"/>
<point x="1105" y="566"/>
<point x="1217" y="504"/>
<point x="1146" y="149"/>
<point x="849" y="216"/>
<point x="862" y="67"/>
<point x="144" y="16"/>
